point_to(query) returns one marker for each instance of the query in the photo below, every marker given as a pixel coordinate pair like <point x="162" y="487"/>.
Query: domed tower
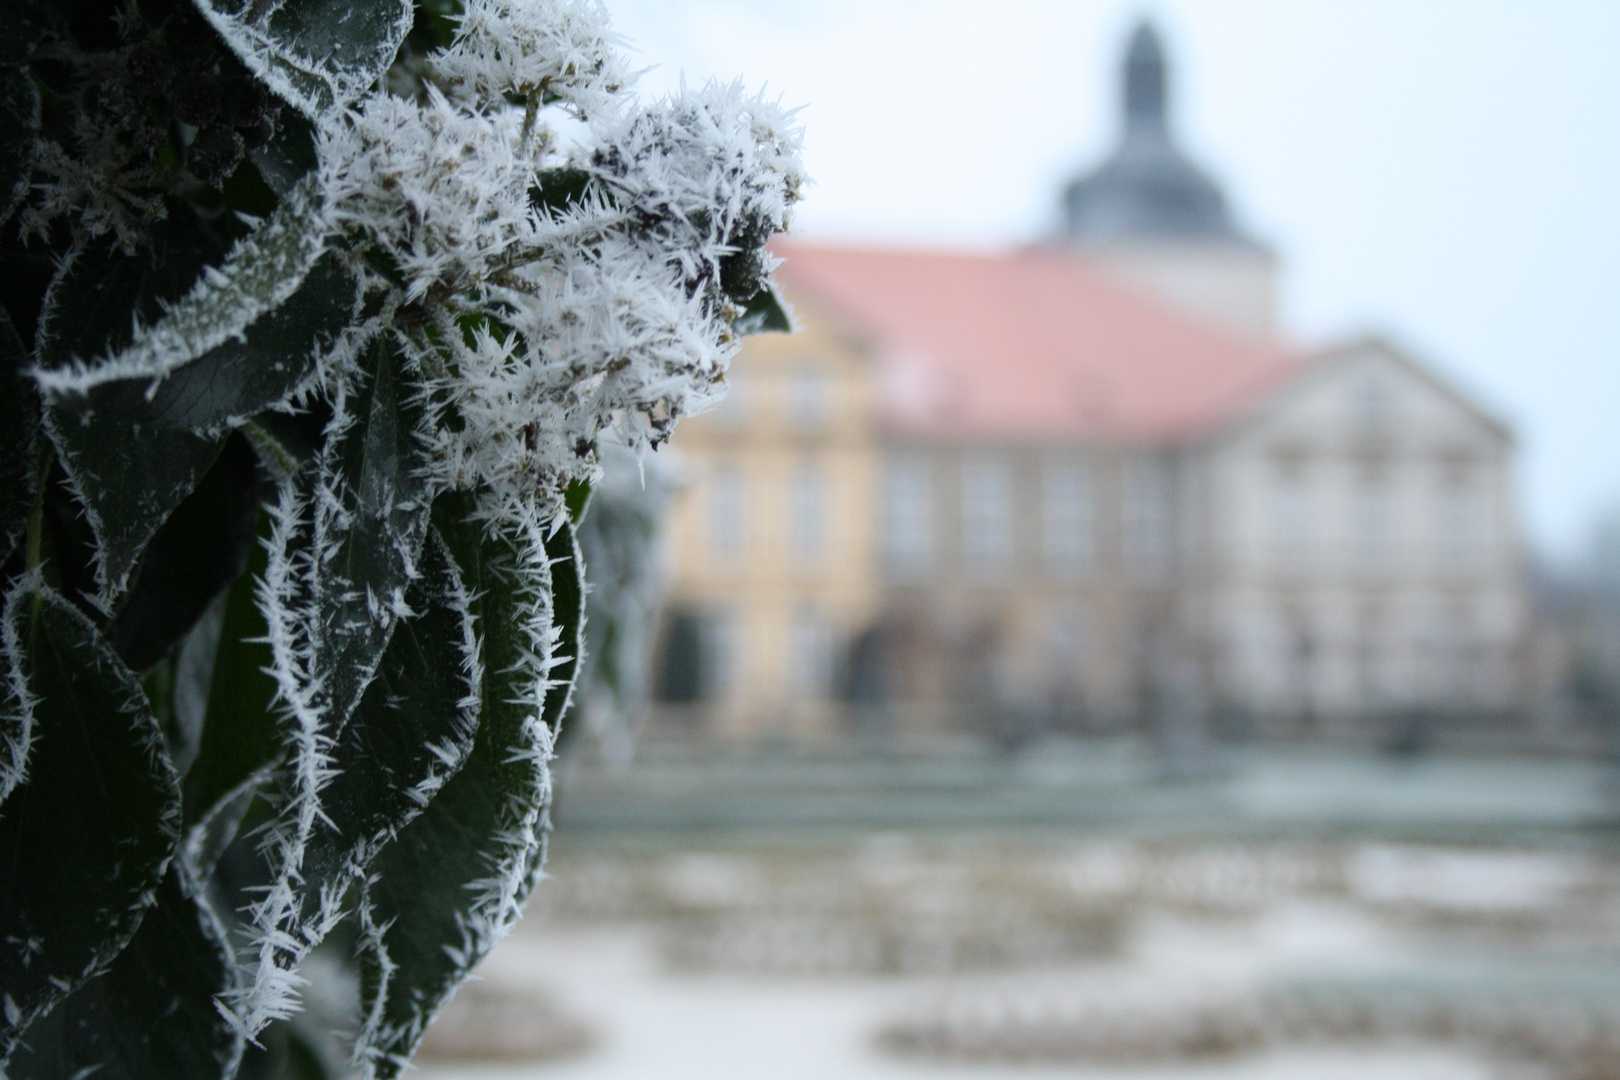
<point x="1151" y="217"/>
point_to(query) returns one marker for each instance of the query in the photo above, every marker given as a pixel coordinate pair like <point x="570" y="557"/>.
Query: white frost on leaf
<point x="516" y="748"/>
<point x="561" y="51"/>
<point x="541" y="297"/>
<point x="443" y="191"/>
<point x="259" y="273"/>
<point x="16" y="700"/>
<point x="317" y="59"/>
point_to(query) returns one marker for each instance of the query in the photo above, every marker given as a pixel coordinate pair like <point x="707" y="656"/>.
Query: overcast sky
<point x="1445" y="172"/>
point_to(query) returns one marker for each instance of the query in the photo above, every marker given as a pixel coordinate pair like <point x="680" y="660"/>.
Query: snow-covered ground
<point x="891" y="957"/>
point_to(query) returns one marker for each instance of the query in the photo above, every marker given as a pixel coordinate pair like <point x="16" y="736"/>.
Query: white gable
<point x="1365" y="391"/>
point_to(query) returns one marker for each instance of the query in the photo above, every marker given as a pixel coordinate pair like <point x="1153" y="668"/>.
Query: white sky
<point x="1446" y="172"/>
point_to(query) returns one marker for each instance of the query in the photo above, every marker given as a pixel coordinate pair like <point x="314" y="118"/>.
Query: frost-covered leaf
<point x="127" y="477"/>
<point x="568" y="613"/>
<point x="348" y="539"/>
<point x="289" y="155"/>
<point x="19" y="127"/>
<point x="276" y="360"/>
<point x="564" y="51"/>
<point x="240" y="739"/>
<point x="317" y="55"/>
<point x="95" y="822"/>
<point x="198" y="551"/>
<point x="152" y="1012"/>
<point x="102" y="296"/>
<point x="246" y="325"/>
<point x="411" y="731"/>
<point x="764" y="313"/>
<point x="16" y="714"/>
<point x="454" y="880"/>
<point x="19" y="420"/>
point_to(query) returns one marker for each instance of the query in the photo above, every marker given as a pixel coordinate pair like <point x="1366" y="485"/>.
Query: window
<point x="722" y="653"/>
<point x="811" y="662"/>
<point x="1147" y="513"/>
<point x="1290" y="514"/>
<point x="987" y="507"/>
<point x="807" y="513"/>
<point x="907" y="512"/>
<point x="809" y="397"/>
<point x="1374" y="401"/>
<point x="1456" y="515"/>
<point x="727" y="512"/>
<point x="1371" y="513"/>
<point x="1067" y="514"/>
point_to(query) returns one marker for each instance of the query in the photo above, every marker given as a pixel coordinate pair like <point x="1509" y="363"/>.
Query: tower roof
<point x="1147" y="189"/>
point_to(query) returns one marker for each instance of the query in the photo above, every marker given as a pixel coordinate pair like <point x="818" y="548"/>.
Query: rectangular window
<point x="811" y="661"/>
<point x="722" y="653"/>
<point x="1147" y="514"/>
<point x="908" y="513"/>
<point x="807" y="513"/>
<point x="727" y="510"/>
<point x="1290" y="514"/>
<point x="1372" y="514"/>
<point x="809" y="398"/>
<point x="1456" y="517"/>
<point x="1068" y="515"/>
<point x="987" y="512"/>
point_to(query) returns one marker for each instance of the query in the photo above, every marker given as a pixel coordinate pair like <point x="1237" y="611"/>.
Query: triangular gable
<point x="1319" y="366"/>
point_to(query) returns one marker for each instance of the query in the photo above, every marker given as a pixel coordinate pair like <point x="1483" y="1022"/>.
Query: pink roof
<point x="1029" y="346"/>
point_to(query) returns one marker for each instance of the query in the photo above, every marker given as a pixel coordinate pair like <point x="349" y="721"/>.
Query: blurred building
<point x="1083" y="486"/>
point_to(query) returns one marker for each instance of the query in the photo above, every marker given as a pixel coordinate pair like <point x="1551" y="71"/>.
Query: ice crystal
<point x="560" y="51"/>
<point x="539" y="296"/>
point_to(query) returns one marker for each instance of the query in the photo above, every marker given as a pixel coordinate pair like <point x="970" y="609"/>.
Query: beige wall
<point x="1239" y="566"/>
<point x="793" y="440"/>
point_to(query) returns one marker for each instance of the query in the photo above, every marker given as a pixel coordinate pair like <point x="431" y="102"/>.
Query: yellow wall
<point x="768" y="436"/>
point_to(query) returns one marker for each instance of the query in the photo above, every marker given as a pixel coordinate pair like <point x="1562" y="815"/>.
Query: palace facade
<point x="1084" y="486"/>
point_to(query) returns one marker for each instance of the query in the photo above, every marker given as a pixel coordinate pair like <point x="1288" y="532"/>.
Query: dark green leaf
<point x="127" y="476"/>
<point x="558" y="189"/>
<point x="85" y="839"/>
<point x="240" y="737"/>
<point x="129" y="479"/>
<point x="411" y="731"/>
<point x="366" y="503"/>
<point x="19" y="126"/>
<point x="248" y="335"/>
<point x="275" y="357"/>
<point x="289" y="155"/>
<point x="568" y="613"/>
<point x="287" y="442"/>
<point x="765" y="312"/>
<point x="152" y="1013"/>
<point x="200" y="549"/>
<point x="100" y="292"/>
<point x="452" y="882"/>
<point x="315" y="54"/>
<point x="576" y="498"/>
<point x="19" y="420"/>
